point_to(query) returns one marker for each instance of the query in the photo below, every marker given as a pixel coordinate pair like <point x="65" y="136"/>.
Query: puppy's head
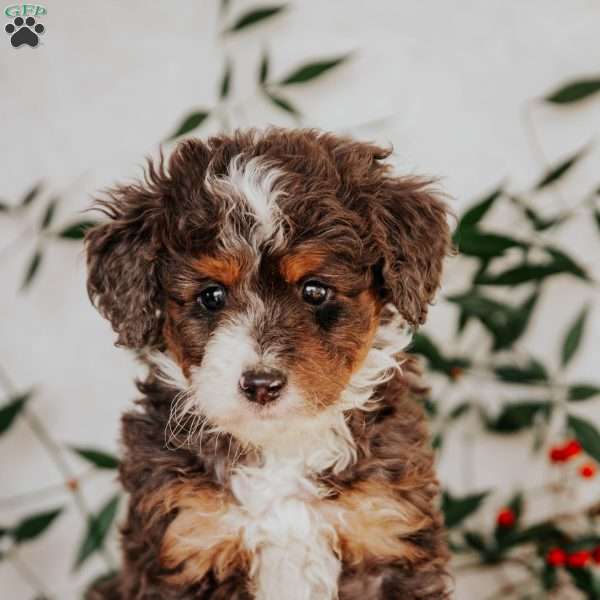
<point x="262" y="265"/>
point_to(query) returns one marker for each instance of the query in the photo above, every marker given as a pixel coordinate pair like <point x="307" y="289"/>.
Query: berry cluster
<point x="558" y="557"/>
<point x="563" y="453"/>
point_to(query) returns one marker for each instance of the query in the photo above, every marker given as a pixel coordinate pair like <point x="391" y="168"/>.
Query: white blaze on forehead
<point x="254" y="180"/>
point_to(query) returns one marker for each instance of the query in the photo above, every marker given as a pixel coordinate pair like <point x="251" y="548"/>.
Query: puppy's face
<point x="261" y="265"/>
<point x="268" y="334"/>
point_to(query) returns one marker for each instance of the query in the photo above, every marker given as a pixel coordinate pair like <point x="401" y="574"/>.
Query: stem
<point x="12" y="245"/>
<point x="55" y="453"/>
<point x="19" y="499"/>
<point x="531" y="131"/>
<point x="503" y="591"/>
<point x="29" y="575"/>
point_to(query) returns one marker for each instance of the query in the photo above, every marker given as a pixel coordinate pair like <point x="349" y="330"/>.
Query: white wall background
<point x="445" y="82"/>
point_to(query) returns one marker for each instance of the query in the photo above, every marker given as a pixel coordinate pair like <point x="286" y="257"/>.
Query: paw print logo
<point x="24" y="32"/>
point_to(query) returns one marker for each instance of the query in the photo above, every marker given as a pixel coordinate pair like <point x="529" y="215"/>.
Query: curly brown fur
<point x="322" y="486"/>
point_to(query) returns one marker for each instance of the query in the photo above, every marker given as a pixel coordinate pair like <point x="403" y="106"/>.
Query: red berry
<point x="579" y="559"/>
<point x="556" y="557"/>
<point x="557" y="454"/>
<point x="571" y="448"/>
<point x="596" y="555"/>
<point x="506" y="518"/>
<point x="588" y="470"/>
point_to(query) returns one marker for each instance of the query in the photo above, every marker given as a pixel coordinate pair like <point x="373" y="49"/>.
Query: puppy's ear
<point x="122" y="260"/>
<point x="411" y="234"/>
<point x="408" y="236"/>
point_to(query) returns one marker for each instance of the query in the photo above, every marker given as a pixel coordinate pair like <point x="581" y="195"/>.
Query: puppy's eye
<point x="213" y="297"/>
<point x="315" y="293"/>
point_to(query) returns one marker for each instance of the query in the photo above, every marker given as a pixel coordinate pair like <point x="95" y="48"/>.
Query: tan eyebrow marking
<point x="294" y="267"/>
<point x="227" y="269"/>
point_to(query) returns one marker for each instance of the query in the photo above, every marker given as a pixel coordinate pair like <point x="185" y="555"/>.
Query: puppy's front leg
<point x="297" y="571"/>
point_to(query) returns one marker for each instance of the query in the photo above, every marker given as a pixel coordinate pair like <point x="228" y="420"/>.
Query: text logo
<point x="24" y="29"/>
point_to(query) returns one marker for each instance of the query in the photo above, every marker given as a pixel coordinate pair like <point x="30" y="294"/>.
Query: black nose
<point x="262" y="385"/>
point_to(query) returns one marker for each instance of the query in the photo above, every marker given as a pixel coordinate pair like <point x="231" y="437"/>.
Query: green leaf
<point x="31" y="195"/>
<point x="574" y="91"/>
<point x="255" y="16"/>
<point x="10" y="411"/>
<point x="523" y="273"/>
<point x="32" y="269"/>
<point x="532" y="372"/>
<point x="312" y="70"/>
<point x="283" y="104"/>
<point x="192" y="121"/>
<point x="566" y="263"/>
<point x="557" y="264"/>
<point x="226" y="81"/>
<point x="459" y="410"/>
<point x="76" y="231"/>
<point x="573" y="337"/>
<point x="587" y="434"/>
<point x="475" y="213"/>
<point x="474" y="242"/>
<point x="98" y="527"/>
<point x="582" y="542"/>
<point x="506" y="323"/>
<point x="587" y="581"/>
<point x="423" y="345"/>
<point x="579" y="392"/>
<point x="597" y="218"/>
<point x="477" y="543"/>
<point x="457" y="509"/>
<point x="549" y="577"/>
<point x="99" y="458"/>
<point x="539" y="223"/>
<point x="474" y="304"/>
<point x="542" y="533"/>
<point x="517" y="324"/>
<point x="430" y="406"/>
<point x="518" y="416"/>
<point x="48" y="214"/>
<point x="263" y="73"/>
<point x="516" y="504"/>
<point x="561" y="169"/>
<point x="32" y="527"/>
<point x="463" y="320"/>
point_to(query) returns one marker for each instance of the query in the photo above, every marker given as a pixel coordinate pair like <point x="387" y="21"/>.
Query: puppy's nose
<point x="262" y="385"/>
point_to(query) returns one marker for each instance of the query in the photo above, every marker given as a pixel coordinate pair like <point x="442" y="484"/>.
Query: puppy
<point x="269" y="282"/>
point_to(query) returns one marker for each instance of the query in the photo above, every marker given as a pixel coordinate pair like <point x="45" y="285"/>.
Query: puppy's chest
<point x="277" y="504"/>
<point x="283" y="523"/>
<point x="281" y="528"/>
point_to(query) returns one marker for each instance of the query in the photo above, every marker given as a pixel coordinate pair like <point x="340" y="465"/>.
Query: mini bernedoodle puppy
<point x="270" y="281"/>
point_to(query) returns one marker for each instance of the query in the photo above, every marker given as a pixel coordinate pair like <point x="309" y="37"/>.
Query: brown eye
<point x="315" y="293"/>
<point x="212" y="297"/>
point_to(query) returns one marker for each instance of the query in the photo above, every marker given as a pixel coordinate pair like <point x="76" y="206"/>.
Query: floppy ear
<point x="409" y="229"/>
<point x="408" y="236"/>
<point x="122" y="260"/>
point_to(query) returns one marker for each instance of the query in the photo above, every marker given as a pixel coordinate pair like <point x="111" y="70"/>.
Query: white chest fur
<point x="283" y="527"/>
